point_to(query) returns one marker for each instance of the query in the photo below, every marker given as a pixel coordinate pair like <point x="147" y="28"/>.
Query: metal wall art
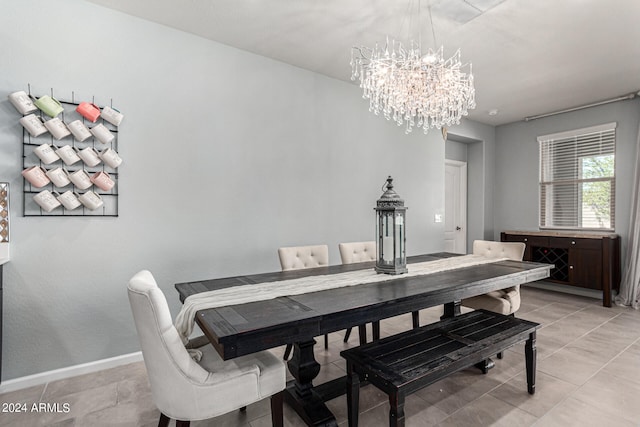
<point x="70" y="156"/>
<point x="4" y="212"/>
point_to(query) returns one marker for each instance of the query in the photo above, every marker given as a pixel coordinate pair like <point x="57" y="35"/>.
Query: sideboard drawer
<point x="593" y="244"/>
<point x="529" y="240"/>
<point x="575" y="243"/>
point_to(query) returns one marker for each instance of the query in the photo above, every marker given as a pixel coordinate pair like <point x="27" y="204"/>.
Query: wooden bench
<point x="405" y="363"/>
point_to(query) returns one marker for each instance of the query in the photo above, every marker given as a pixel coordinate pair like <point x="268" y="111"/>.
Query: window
<point x="577" y="179"/>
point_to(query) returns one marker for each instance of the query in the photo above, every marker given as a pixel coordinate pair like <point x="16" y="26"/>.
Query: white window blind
<point x="577" y="179"/>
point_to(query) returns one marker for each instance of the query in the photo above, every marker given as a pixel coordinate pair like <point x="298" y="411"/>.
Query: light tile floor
<point x="588" y="375"/>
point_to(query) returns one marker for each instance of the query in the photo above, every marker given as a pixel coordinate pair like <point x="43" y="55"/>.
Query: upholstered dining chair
<point x="505" y="301"/>
<point x="186" y="390"/>
<point x="300" y="257"/>
<point x="351" y="253"/>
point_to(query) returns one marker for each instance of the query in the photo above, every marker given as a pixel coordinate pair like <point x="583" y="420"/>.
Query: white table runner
<point x="185" y="320"/>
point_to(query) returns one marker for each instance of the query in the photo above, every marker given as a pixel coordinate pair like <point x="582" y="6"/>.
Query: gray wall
<point x="455" y="150"/>
<point x="479" y="141"/>
<point x="517" y="164"/>
<point x="227" y="156"/>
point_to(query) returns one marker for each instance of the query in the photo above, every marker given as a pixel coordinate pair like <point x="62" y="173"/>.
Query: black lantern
<point x="391" y="237"/>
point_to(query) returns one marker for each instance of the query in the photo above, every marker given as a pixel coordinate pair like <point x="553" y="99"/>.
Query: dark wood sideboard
<point x="585" y="260"/>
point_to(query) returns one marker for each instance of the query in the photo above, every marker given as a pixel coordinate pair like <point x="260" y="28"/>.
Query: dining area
<point x="316" y="373"/>
<point x="243" y="317"/>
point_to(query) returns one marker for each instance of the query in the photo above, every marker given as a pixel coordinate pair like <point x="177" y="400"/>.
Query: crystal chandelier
<point x="410" y="88"/>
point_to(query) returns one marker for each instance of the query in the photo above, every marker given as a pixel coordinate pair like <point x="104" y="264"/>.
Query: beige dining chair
<point x="354" y="252"/>
<point x="504" y="301"/>
<point x="298" y="258"/>
<point x="186" y="390"/>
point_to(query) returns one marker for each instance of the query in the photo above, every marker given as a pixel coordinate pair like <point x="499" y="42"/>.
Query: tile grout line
<point x="584" y="334"/>
<point x="44" y="389"/>
<point x="578" y="387"/>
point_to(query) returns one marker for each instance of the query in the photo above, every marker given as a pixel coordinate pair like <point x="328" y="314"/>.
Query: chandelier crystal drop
<point x="410" y="88"/>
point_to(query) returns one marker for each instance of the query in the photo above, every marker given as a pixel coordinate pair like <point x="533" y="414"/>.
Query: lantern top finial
<point x="390" y="198"/>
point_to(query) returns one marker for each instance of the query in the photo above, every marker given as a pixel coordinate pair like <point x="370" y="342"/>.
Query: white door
<point x="455" y="206"/>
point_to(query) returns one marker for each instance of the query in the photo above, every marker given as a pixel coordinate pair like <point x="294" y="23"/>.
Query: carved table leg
<point x="300" y="394"/>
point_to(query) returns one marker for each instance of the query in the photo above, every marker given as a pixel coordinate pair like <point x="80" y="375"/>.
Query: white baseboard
<point x="71" y="371"/>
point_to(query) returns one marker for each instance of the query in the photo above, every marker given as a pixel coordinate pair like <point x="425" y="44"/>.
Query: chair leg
<point x="415" y="317"/>
<point x="362" y="334"/>
<point x="164" y="421"/>
<point x="376" y="330"/>
<point x="485" y="365"/>
<point x="277" y="413"/>
<point x="287" y="352"/>
<point x="326" y="341"/>
<point x="346" y="335"/>
<point x="243" y="409"/>
<point x="499" y="355"/>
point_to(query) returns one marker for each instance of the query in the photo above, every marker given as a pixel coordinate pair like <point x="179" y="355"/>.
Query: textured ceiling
<point x="529" y="56"/>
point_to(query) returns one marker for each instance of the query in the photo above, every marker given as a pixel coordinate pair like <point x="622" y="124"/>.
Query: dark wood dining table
<point x="251" y="327"/>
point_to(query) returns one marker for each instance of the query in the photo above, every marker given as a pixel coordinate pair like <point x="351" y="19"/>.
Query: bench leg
<point x="353" y="395"/>
<point x="530" y="353"/>
<point x="396" y="413"/>
<point x="415" y="317"/>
